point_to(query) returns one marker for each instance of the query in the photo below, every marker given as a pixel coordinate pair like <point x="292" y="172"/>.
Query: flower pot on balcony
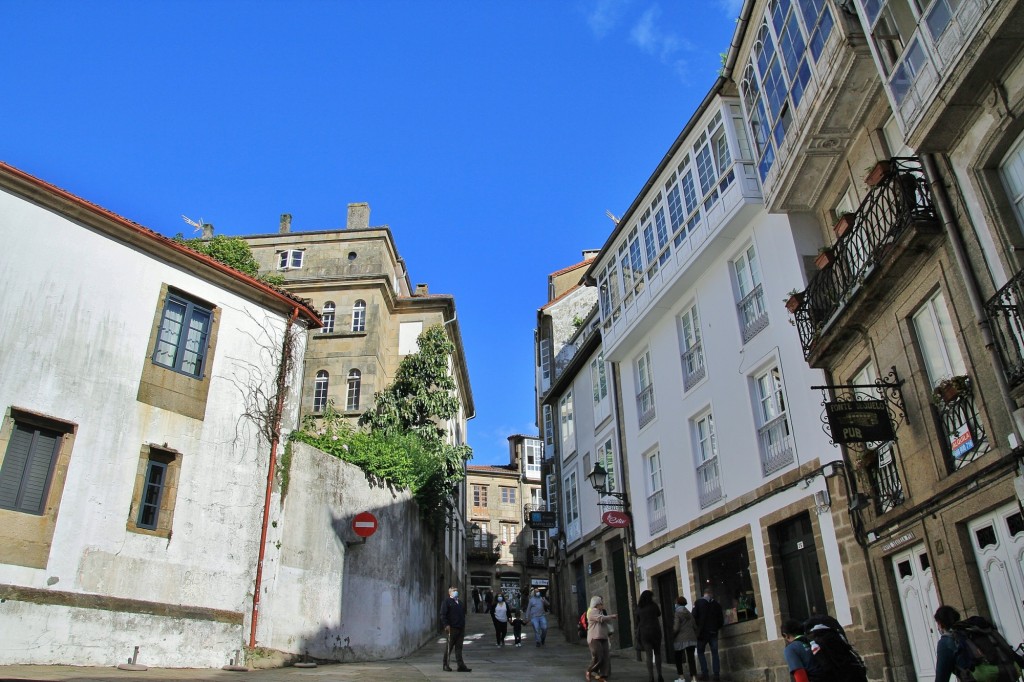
<point x="825" y="258"/>
<point x="878" y="173"/>
<point x="951" y="388"/>
<point x="845" y="224"/>
<point x="795" y="300"/>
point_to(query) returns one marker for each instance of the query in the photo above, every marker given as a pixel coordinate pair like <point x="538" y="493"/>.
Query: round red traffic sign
<point x="364" y="525"/>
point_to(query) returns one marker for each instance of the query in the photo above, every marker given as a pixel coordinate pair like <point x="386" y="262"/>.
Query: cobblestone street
<point x="556" y="660"/>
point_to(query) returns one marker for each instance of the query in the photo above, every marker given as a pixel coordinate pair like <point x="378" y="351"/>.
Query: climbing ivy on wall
<point x="402" y="440"/>
<point x="232" y="251"/>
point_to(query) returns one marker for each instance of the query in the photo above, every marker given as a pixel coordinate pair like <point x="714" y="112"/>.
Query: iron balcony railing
<point x="645" y="406"/>
<point x="693" y="366"/>
<point x="536" y="557"/>
<point x="885" y="479"/>
<point x="898" y="201"/>
<point x="1005" y="313"/>
<point x="753" y="314"/>
<point x="709" y="483"/>
<point x="964" y="435"/>
<point x="776" y="445"/>
<point x="656" y="512"/>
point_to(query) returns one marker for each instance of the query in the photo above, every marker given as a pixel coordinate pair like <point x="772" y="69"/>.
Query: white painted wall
<point x="372" y="601"/>
<point x="75" y="320"/>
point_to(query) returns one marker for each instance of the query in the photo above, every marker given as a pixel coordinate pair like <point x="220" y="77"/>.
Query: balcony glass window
<point x="790" y="37"/>
<point x="936" y="338"/>
<point x="693" y="352"/>
<point x="644" y="388"/>
<point x="599" y="382"/>
<point x="709" y="483"/>
<point x="752" y="311"/>
<point x="606" y="458"/>
<point x="774" y="433"/>
<point x="1011" y="170"/>
<point x="567" y="422"/>
<point x="572" y="503"/>
<point x="532" y="457"/>
<point x="655" y="493"/>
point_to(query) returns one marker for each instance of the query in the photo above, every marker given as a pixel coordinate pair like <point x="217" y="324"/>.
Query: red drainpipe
<point x="275" y="430"/>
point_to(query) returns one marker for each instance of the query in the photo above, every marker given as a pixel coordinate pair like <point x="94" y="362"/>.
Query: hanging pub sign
<point x="859" y="421"/>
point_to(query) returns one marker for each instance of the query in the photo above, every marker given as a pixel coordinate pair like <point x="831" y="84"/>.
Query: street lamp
<point x="599" y="480"/>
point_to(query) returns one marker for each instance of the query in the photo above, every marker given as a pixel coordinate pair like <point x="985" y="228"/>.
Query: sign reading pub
<point x="859" y="421"/>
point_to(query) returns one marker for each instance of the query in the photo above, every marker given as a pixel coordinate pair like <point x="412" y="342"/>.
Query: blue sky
<point x="490" y="136"/>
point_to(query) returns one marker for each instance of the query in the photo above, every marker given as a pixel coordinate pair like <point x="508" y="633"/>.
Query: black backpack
<point x="835" y="656"/>
<point x="984" y="653"/>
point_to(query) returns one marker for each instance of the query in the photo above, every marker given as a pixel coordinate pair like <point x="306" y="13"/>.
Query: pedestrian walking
<point x="798" y="654"/>
<point x="517" y="628"/>
<point x="707" y="612"/>
<point x="684" y="640"/>
<point x="476" y="600"/>
<point x="499" y="616"/>
<point x="597" y="639"/>
<point x="453" y="619"/>
<point x="487" y="602"/>
<point x="536" y="613"/>
<point x="648" y="632"/>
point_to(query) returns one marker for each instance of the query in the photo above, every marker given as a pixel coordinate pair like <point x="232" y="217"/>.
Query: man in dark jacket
<point x="707" y="613"/>
<point x="453" y="620"/>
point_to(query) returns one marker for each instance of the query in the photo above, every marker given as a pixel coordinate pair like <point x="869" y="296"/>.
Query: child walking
<point x="517" y="628"/>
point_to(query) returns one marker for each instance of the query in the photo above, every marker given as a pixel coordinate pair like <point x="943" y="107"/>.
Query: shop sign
<point x="539" y="582"/>
<point x="896" y="542"/>
<point x="543" y="519"/>
<point x="859" y="421"/>
<point x="615" y="519"/>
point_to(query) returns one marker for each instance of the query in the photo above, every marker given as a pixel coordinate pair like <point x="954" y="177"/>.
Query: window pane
<point x="170" y="332"/>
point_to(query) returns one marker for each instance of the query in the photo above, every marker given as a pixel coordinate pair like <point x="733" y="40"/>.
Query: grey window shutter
<point x="28" y="468"/>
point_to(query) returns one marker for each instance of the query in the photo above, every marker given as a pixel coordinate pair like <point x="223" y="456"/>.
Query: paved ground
<point x="557" y="660"/>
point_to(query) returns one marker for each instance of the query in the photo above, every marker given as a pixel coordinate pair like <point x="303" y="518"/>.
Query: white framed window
<point x="359" y="316"/>
<point x="606" y="457"/>
<point x="751" y="306"/>
<point x="709" y="482"/>
<point x="480" y="496"/>
<point x="544" y="349"/>
<point x="551" y="492"/>
<point x="936" y="337"/>
<point x="549" y="432"/>
<point x="693" y="352"/>
<point x="532" y="457"/>
<point x="540" y="540"/>
<point x="567" y="423"/>
<point x="290" y="259"/>
<point x="774" y="434"/>
<point x="320" y="390"/>
<point x="1011" y="170"/>
<point x="509" y="533"/>
<point x="572" y="503"/>
<point x="508" y="494"/>
<point x="328" y="318"/>
<point x="655" y="492"/>
<point x="537" y="498"/>
<point x="599" y="382"/>
<point x="354" y="387"/>
<point x="644" y="389"/>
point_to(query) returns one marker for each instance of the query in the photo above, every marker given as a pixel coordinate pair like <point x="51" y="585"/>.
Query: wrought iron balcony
<point x="878" y="461"/>
<point x="709" y="483"/>
<point x="1005" y="313"/>
<point x="645" y="405"/>
<point x="964" y="435"/>
<point x="536" y="558"/>
<point x="776" y="445"/>
<point x="897" y="217"/>
<point x="484" y="553"/>
<point x="753" y="314"/>
<point x="693" y="365"/>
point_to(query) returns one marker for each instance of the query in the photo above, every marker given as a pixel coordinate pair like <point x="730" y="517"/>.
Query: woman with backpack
<point x="948" y="650"/>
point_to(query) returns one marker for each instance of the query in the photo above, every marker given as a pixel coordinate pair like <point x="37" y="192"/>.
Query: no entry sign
<point x="364" y="525"/>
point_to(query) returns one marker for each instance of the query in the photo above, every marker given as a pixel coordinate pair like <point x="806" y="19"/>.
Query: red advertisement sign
<point x="616" y="519"/>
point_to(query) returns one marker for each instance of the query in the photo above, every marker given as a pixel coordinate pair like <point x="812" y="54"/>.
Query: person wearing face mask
<point x="535" y="613"/>
<point x="453" y="620"/>
<point x="499" y="616"/>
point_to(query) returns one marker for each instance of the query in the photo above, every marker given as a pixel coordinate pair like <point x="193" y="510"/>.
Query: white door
<point x="998" y="541"/>
<point x="918" y="600"/>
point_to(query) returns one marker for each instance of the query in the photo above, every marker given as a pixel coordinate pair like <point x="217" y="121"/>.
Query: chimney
<point x="286" y="223"/>
<point x="358" y="216"/>
<point x="422" y="290"/>
<point x="207" y="231"/>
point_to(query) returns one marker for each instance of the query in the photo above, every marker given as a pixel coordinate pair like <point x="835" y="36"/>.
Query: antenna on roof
<point x="614" y="218"/>
<point x="198" y="226"/>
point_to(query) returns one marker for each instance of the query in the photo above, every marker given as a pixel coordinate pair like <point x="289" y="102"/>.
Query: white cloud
<point x="605" y="15"/>
<point x="731" y="7"/>
<point x="648" y="35"/>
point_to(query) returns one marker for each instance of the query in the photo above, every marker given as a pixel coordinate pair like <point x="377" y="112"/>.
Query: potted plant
<point x="949" y="388"/>
<point x="795" y="300"/>
<point x="844" y="224"/>
<point x="878" y="172"/>
<point x="826" y="255"/>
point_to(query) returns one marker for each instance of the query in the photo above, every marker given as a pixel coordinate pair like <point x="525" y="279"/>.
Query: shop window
<point x="727" y="572"/>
